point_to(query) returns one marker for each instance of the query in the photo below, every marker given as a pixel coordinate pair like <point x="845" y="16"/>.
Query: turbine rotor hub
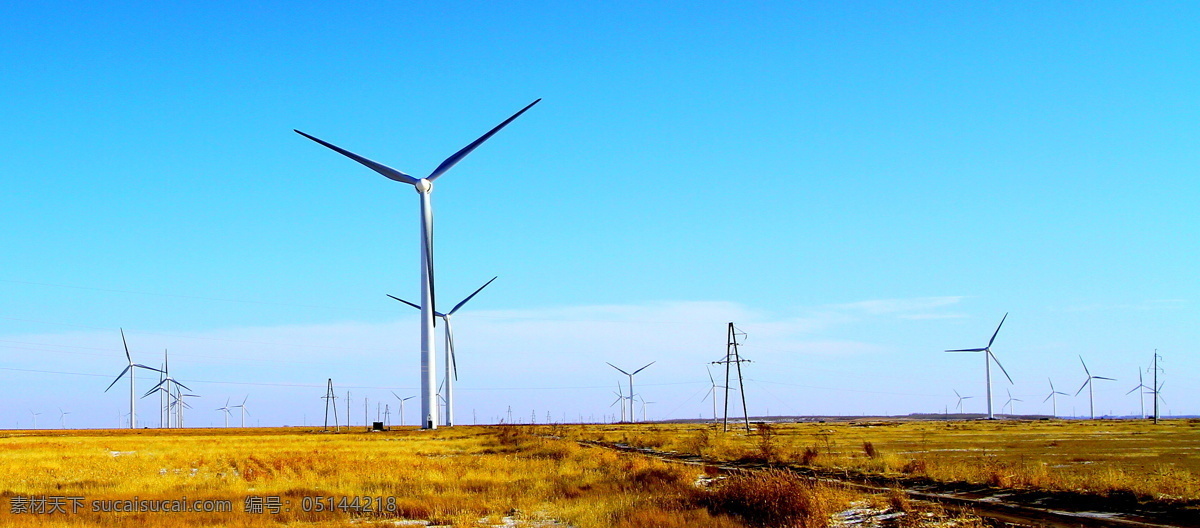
<point x="423" y="186"/>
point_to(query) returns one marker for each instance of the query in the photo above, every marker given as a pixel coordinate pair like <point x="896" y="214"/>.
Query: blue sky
<point x="859" y="186"/>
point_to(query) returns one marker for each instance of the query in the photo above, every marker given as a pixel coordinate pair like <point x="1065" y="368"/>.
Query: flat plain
<point x="542" y="476"/>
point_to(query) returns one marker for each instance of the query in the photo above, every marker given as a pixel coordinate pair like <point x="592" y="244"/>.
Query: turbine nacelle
<point x="423" y="186"/>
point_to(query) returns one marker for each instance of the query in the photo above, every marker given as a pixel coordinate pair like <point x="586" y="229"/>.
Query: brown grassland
<point x="532" y="475"/>
<point x="465" y="476"/>
<point x="1102" y="457"/>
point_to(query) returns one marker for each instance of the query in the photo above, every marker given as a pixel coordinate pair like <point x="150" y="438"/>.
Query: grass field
<point x="1153" y="462"/>
<point x="465" y="476"/>
<point x="539" y="476"/>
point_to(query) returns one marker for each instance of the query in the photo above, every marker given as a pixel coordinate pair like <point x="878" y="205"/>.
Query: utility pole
<point x="732" y="357"/>
<point x="347" y="410"/>
<point x="330" y="399"/>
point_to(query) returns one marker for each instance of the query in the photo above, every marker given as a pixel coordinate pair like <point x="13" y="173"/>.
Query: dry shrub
<point x="777" y="499"/>
<point x="809" y="456"/>
<point x="699" y="442"/>
<point x="869" y="450"/>
<point x="914" y="467"/>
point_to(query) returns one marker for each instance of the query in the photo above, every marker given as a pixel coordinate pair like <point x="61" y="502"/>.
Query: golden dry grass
<point x="1160" y="462"/>
<point x="465" y="476"/>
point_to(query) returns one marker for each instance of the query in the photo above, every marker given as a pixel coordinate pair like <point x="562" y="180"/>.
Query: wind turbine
<point x="129" y="369"/>
<point x="1087" y="384"/>
<point x="988" y="357"/>
<point x="169" y="384"/>
<point x="620" y="400"/>
<point x="960" y="399"/>
<point x="1141" y="395"/>
<point x="35" y="415"/>
<point x="711" y="392"/>
<point x="451" y="362"/>
<point x="62" y="418"/>
<point x="1010" y="401"/>
<point x="632" y="418"/>
<point x="242" y="406"/>
<point x="225" y="409"/>
<point x="1053" y="399"/>
<point x="644" y="404"/>
<point x="402" y="400"/>
<point x="424" y="186"/>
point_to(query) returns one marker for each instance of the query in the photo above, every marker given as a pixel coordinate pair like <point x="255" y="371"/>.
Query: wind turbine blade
<point x="139" y="365"/>
<point x="154" y="388"/>
<point x="127" y="356"/>
<point x="999" y="365"/>
<point x="408" y="398"/>
<point x="403" y="301"/>
<point x="453" y="359"/>
<point x="1133" y="389"/>
<point x="1048" y="397"/>
<point x="181" y="385"/>
<point x="710" y="378"/>
<point x="114" y="382"/>
<point x="1051" y="384"/>
<point x="957" y="394"/>
<point x="464" y="301"/>
<point x="1085" y="369"/>
<point x="997" y="330"/>
<point x="387" y="172"/>
<point x="394" y="394"/>
<point x="458" y="156"/>
<point x="1104" y="378"/>
<point x="644" y="368"/>
<point x="618" y="368"/>
<point x="1084" y="386"/>
<point x="428" y="240"/>
<point x="968" y="350"/>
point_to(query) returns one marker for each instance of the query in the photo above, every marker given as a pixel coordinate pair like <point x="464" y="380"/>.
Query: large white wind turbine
<point x="988" y="357"/>
<point x="171" y="388"/>
<point x="451" y="362"/>
<point x="35" y="415"/>
<point x="129" y="369"/>
<point x="632" y="417"/>
<point x="1053" y="399"/>
<point x="62" y="418"/>
<point x="1087" y="384"/>
<point x="423" y="187"/>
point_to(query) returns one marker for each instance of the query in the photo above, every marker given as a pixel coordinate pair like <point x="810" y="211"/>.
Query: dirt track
<point x="1008" y="506"/>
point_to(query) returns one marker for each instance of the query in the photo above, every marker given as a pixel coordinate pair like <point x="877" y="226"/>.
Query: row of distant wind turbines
<point x="170" y="391"/>
<point x="989" y="357"/>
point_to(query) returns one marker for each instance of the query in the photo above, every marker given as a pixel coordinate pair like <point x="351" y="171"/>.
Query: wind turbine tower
<point x="988" y="357"/>
<point x="424" y="186"/>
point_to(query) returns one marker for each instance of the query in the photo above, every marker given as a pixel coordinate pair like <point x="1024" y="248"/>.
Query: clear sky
<point x="858" y="185"/>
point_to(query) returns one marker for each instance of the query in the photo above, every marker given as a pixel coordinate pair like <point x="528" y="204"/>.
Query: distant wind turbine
<point x="712" y="392"/>
<point x="960" y="400"/>
<point x="402" y="400"/>
<point x="424" y="186"/>
<point x="130" y="369"/>
<point x="988" y="357"/>
<point x="1053" y="399"/>
<point x="451" y="362"/>
<point x="632" y="418"/>
<point x="1141" y="395"/>
<point x="242" y="408"/>
<point x="35" y="415"/>
<point x="62" y="418"/>
<point x="1010" y="401"/>
<point x="1087" y="384"/>
<point x="226" y="411"/>
<point x="620" y="400"/>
